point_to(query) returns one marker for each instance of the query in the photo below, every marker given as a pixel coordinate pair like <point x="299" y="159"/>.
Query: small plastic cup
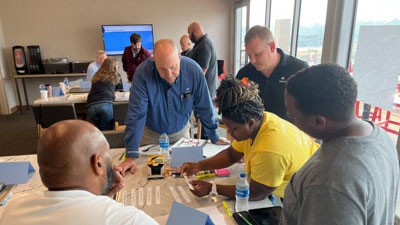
<point x="44" y="95"/>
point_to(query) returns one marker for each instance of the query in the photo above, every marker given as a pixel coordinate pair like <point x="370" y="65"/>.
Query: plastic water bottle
<point x="66" y="83"/>
<point x="242" y="194"/>
<point x="164" y="147"/>
<point x="42" y="87"/>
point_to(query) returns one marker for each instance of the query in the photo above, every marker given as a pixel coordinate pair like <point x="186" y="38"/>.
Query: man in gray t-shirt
<point x="204" y="54"/>
<point x="353" y="178"/>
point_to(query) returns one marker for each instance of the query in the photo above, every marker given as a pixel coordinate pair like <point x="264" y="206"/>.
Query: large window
<point x="311" y="30"/>
<point x="371" y="12"/>
<point x="281" y="22"/>
<point x="257" y="12"/>
<point x="240" y="32"/>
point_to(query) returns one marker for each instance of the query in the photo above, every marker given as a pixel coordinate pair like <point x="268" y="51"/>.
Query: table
<point x="29" y="76"/>
<point x="135" y="182"/>
<point x="79" y="98"/>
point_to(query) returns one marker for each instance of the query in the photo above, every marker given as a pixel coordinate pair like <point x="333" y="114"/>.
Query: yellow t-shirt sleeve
<point x="268" y="168"/>
<point x="238" y="146"/>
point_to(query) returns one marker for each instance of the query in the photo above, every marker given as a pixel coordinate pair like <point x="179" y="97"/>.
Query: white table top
<point x="78" y="98"/>
<point x="134" y="182"/>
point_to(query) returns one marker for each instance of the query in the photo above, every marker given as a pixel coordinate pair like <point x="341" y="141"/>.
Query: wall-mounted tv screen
<point x="116" y="37"/>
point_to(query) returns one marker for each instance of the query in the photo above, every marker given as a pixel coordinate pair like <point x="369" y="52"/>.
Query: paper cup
<point x="44" y="95"/>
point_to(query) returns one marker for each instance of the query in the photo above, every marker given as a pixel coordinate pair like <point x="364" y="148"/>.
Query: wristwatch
<point x="213" y="192"/>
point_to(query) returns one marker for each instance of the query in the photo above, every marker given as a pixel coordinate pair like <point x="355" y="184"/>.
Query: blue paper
<point x="16" y="172"/>
<point x="182" y="215"/>
<point x="181" y="155"/>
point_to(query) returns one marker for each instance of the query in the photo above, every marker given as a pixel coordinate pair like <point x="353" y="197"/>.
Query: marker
<point x="244" y="219"/>
<point x="123" y="156"/>
<point x="226" y="208"/>
<point x="6" y="199"/>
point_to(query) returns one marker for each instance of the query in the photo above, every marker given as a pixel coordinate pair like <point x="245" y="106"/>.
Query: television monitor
<point x="117" y="37"/>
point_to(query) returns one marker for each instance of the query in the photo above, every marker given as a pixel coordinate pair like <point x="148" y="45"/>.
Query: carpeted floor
<point x="18" y="134"/>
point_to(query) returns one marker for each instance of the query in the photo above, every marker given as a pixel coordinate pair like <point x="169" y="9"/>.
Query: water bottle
<point x="242" y="194"/>
<point x="164" y="147"/>
<point x="42" y="87"/>
<point x="66" y="83"/>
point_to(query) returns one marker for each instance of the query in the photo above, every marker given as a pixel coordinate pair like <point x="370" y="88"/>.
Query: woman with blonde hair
<point x="102" y="94"/>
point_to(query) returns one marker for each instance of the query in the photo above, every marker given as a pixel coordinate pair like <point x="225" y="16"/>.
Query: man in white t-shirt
<point x="94" y="66"/>
<point x="75" y="166"/>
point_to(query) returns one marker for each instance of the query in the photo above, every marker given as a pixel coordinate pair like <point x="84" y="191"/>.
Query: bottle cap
<point x="242" y="175"/>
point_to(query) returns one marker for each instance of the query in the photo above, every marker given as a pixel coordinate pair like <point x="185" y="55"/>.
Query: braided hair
<point x="238" y="100"/>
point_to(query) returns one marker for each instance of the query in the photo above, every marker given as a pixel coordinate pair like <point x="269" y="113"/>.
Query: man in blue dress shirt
<point x="165" y="90"/>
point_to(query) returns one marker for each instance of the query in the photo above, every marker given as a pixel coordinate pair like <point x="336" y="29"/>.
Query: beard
<point x="193" y="38"/>
<point x="110" y="180"/>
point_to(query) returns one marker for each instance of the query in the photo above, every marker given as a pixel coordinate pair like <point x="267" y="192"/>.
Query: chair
<point x="221" y="69"/>
<point x="115" y="138"/>
<point x="47" y="115"/>
<point x="195" y="125"/>
<point x="120" y="109"/>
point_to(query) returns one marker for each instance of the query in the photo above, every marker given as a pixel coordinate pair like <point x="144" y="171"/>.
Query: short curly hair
<point x="239" y="102"/>
<point x="326" y="90"/>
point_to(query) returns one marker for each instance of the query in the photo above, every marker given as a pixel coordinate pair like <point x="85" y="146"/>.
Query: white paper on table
<point x="214" y="214"/>
<point x="211" y="149"/>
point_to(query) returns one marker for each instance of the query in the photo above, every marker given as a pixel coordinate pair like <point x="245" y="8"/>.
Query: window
<point x="257" y="12"/>
<point x="240" y="32"/>
<point x="311" y="30"/>
<point x="281" y="23"/>
<point x="370" y="12"/>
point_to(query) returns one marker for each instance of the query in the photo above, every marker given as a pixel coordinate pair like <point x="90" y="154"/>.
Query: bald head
<point x="65" y="153"/>
<point x="195" y="31"/>
<point x="185" y="42"/>
<point x="167" y="60"/>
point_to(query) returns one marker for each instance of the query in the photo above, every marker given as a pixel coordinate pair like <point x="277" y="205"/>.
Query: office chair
<point x="47" y="115"/>
<point x="115" y="138"/>
<point x="120" y="109"/>
<point x="195" y="124"/>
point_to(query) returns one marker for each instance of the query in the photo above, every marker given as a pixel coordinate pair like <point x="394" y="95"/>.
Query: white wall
<point x="73" y="28"/>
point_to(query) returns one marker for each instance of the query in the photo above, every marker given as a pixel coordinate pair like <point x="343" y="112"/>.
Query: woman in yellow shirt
<point x="273" y="148"/>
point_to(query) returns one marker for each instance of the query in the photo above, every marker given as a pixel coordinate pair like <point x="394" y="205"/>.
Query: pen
<point x="6" y="199"/>
<point x="122" y="156"/>
<point x="244" y="219"/>
<point x="226" y="208"/>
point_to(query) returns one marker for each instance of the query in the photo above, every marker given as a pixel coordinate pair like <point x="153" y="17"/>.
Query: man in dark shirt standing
<point x="134" y="55"/>
<point x="185" y="45"/>
<point x="204" y="54"/>
<point x="269" y="67"/>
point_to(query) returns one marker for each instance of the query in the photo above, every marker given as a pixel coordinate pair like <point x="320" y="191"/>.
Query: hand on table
<point x="128" y="164"/>
<point x="201" y="188"/>
<point x="118" y="182"/>
<point x="222" y="141"/>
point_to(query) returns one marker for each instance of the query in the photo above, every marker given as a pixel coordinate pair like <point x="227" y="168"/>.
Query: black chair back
<point x="47" y="115"/>
<point x="120" y="109"/>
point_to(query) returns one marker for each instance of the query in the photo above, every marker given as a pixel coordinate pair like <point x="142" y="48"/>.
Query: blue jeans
<point x="102" y="115"/>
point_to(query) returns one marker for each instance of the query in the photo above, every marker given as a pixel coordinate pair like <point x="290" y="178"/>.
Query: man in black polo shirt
<point x="204" y="54"/>
<point x="269" y="67"/>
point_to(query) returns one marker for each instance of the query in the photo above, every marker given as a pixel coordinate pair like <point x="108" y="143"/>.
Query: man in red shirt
<point x="134" y="55"/>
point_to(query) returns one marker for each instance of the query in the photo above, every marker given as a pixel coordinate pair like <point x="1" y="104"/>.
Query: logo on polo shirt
<point x="282" y="80"/>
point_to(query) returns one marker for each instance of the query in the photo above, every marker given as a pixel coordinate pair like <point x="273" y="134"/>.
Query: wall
<point x="72" y="28"/>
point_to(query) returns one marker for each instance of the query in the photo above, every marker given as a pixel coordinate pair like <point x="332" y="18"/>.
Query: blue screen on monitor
<point x="117" y="37"/>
